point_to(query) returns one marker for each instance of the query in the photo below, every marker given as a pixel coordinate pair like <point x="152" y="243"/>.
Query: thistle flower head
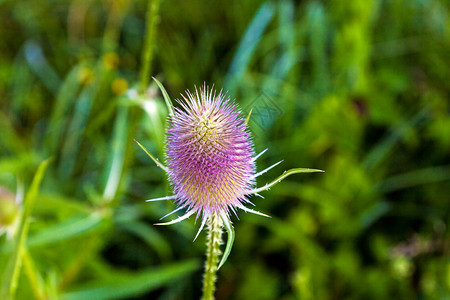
<point x="210" y="160"/>
<point x="209" y="153"/>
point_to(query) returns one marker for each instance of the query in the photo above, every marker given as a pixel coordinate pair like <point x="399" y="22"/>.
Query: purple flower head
<point x="209" y="154"/>
<point x="210" y="160"/>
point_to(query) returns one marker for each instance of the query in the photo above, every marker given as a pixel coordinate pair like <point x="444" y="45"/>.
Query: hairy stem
<point x="212" y="257"/>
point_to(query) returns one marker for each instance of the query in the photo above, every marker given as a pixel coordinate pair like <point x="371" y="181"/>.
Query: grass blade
<point x="248" y="44"/>
<point x="118" y="153"/>
<point x="131" y="285"/>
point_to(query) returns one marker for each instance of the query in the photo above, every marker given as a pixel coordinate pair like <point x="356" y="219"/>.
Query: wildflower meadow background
<point x="357" y="88"/>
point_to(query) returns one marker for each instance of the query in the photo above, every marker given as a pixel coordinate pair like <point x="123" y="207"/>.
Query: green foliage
<point x="356" y="88"/>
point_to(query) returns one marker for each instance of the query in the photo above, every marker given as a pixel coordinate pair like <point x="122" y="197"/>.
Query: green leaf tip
<point x="305" y="170"/>
<point x="165" y="96"/>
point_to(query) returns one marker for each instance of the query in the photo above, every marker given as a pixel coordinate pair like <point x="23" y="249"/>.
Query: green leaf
<point x="382" y="150"/>
<point x="230" y="240"/>
<point x="283" y="176"/>
<point x="63" y="103"/>
<point x="79" y="120"/>
<point x="117" y="158"/>
<point x="73" y="227"/>
<point x="11" y="276"/>
<point x="122" y="286"/>
<point x="414" y="178"/>
<point x="248" y="44"/>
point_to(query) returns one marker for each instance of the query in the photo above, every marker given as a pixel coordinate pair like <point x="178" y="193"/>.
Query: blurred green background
<point x="357" y="88"/>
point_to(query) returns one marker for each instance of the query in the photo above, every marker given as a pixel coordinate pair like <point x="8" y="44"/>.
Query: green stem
<point x="149" y="43"/>
<point x="212" y="257"/>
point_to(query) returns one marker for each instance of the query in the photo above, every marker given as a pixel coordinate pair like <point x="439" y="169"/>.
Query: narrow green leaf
<point x="317" y="30"/>
<point x="414" y="178"/>
<point x="283" y="176"/>
<point x="11" y="276"/>
<point x="230" y="239"/>
<point x="63" y="104"/>
<point x="74" y="227"/>
<point x="287" y="42"/>
<point x="373" y="213"/>
<point x="78" y="123"/>
<point x="165" y="95"/>
<point x="248" y="44"/>
<point x="118" y="153"/>
<point x="120" y="286"/>
<point x="41" y="67"/>
<point x="382" y="150"/>
<point x="71" y="228"/>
